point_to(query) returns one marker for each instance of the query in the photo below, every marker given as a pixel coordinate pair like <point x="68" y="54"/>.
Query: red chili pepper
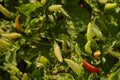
<point x="89" y="67"/>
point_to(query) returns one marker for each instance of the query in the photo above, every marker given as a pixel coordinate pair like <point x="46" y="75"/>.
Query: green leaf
<point x="115" y="75"/>
<point x="65" y="76"/>
<point x="11" y="58"/>
<point x="27" y="9"/>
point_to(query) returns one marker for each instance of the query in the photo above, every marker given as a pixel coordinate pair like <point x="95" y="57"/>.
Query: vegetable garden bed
<point x="59" y="40"/>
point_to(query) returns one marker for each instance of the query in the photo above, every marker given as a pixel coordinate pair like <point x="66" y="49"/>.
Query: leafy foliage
<point x="51" y="37"/>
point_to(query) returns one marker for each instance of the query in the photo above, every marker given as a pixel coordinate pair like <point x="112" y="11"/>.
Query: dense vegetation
<point x="59" y="40"/>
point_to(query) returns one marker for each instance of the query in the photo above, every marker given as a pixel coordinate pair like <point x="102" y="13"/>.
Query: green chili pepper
<point x="88" y="48"/>
<point x="110" y="6"/>
<point x="11" y="35"/>
<point x="65" y="12"/>
<point x="97" y="32"/>
<point x="102" y="1"/>
<point x="89" y="32"/>
<point x="54" y="7"/>
<point x="57" y="52"/>
<point x="74" y="66"/>
<point x="114" y="54"/>
<point x="5" y="12"/>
